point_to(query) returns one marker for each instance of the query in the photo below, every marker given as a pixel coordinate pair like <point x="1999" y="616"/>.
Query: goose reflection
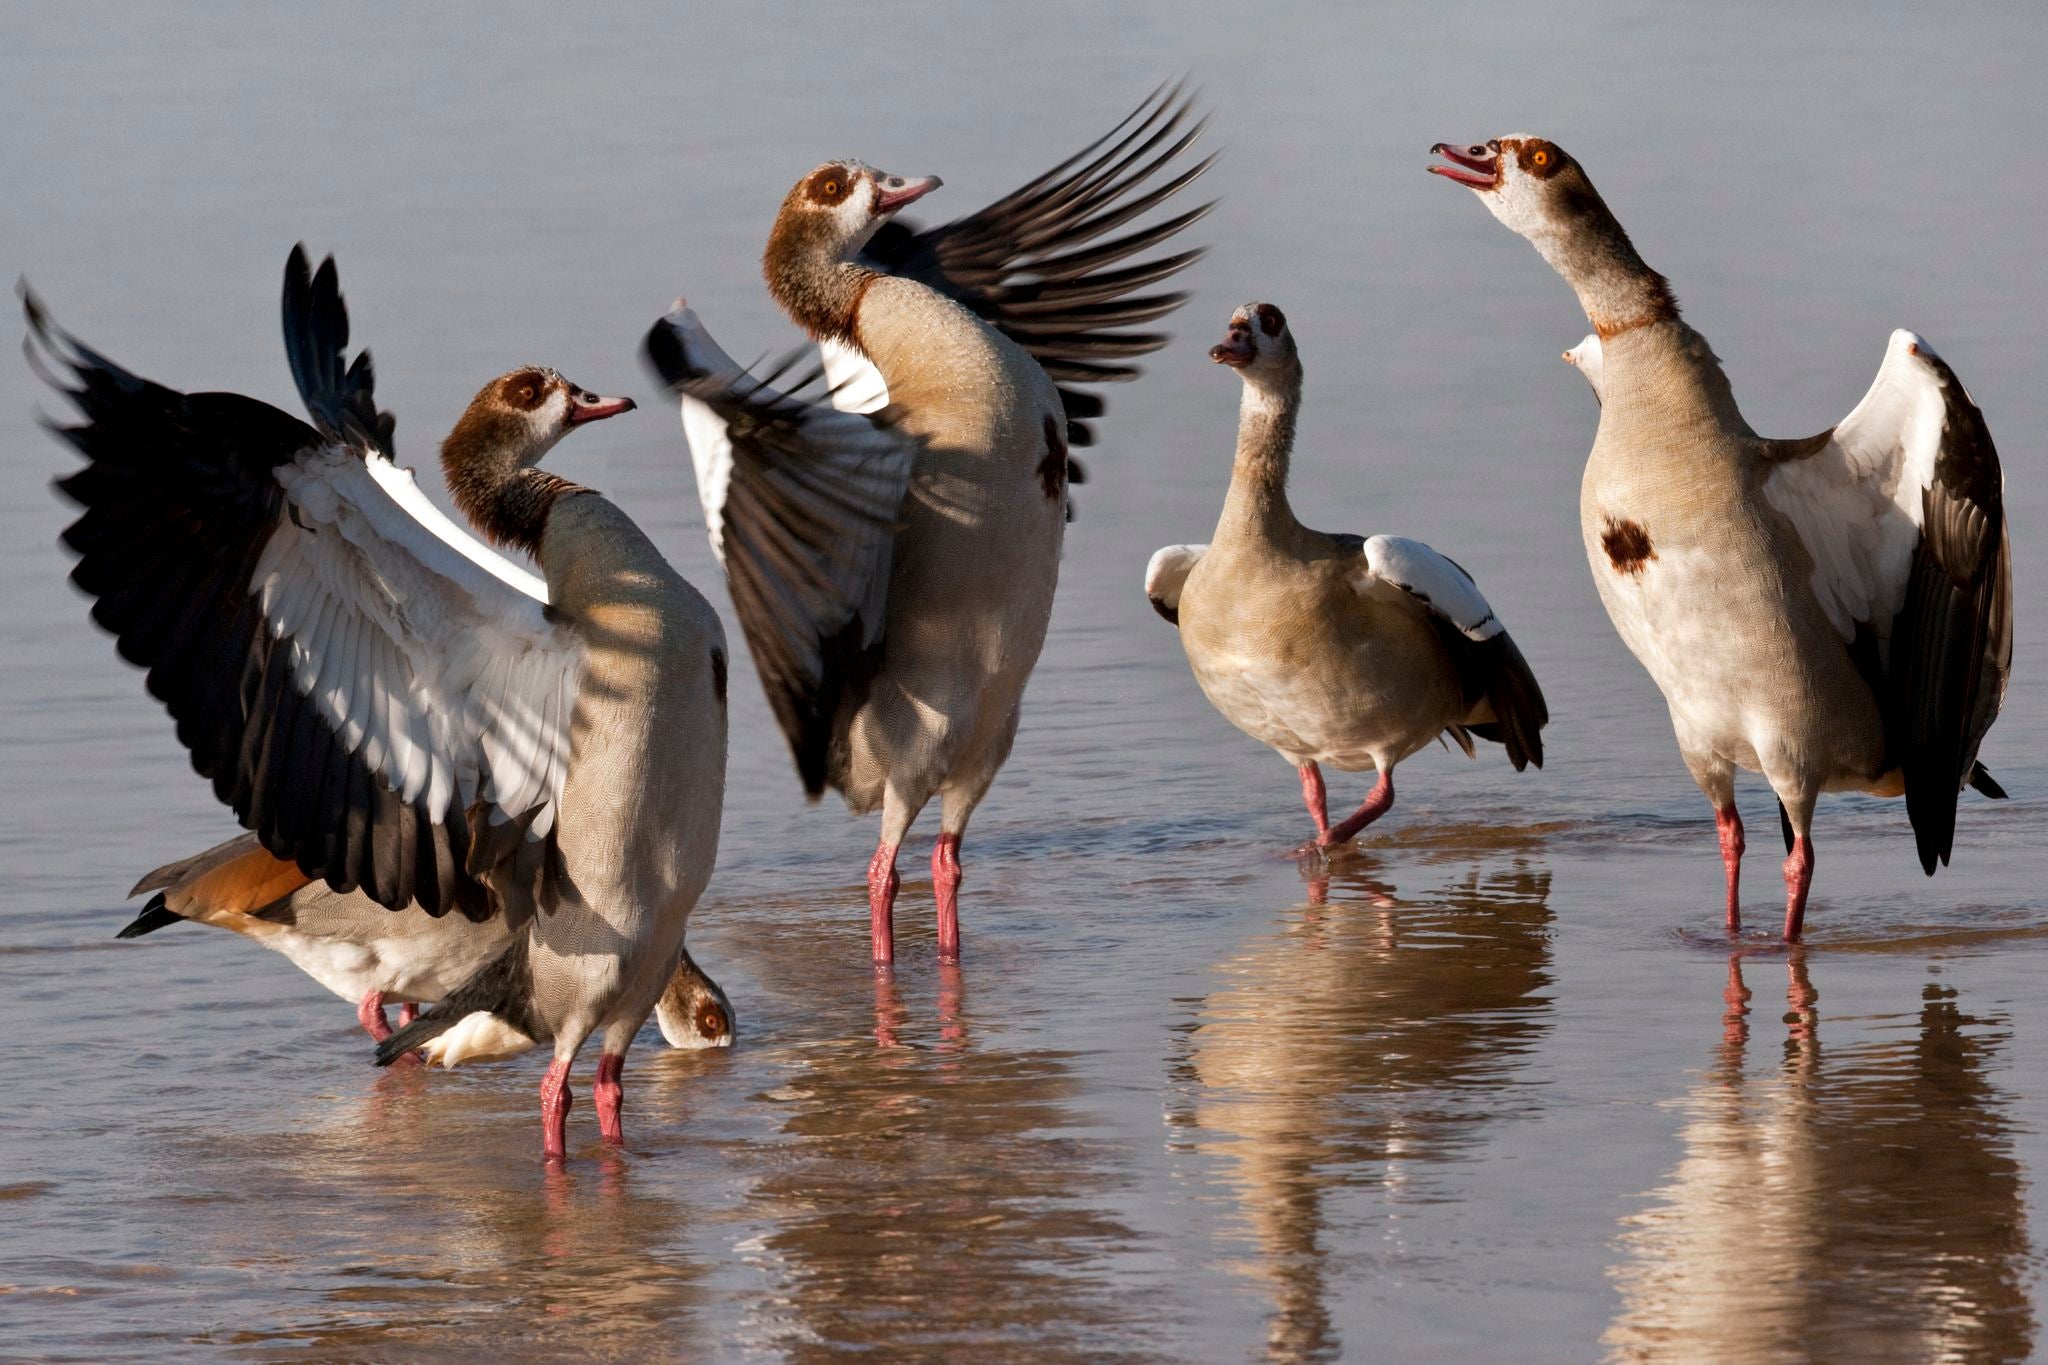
<point x="1368" y="1038"/>
<point x="929" y="1194"/>
<point x="1855" y="1203"/>
<point x="447" y="1229"/>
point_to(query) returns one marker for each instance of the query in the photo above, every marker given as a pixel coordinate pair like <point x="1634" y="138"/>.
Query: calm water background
<point x="1501" y="1094"/>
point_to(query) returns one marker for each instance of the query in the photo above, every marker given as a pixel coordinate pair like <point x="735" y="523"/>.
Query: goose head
<point x="693" y="1012"/>
<point x="1259" y="347"/>
<point x="511" y="425"/>
<point x="1529" y="183"/>
<point x="827" y="217"/>
<point x="1586" y="358"/>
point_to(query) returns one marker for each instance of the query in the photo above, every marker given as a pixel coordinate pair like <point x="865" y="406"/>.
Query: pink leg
<point x="555" y="1100"/>
<point x="370" y="1014"/>
<point x="1376" y="804"/>
<point x="946" y="887"/>
<point x="1313" y="796"/>
<point x="882" y="884"/>
<point x="1798" y="881"/>
<point x="610" y="1095"/>
<point x="408" y="1013"/>
<point x="1728" y="822"/>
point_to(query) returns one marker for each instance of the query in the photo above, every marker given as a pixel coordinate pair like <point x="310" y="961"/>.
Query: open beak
<point x="1477" y="166"/>
<point x="1236" y="349"/>
<point x="892" y="192"/>
<point x="591" y="407"/>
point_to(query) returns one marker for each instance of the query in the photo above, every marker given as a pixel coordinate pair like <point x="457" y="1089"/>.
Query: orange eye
<point x="1541" y="158"/>
<point x="831" y="187"/>
<point x="527" y="393"/>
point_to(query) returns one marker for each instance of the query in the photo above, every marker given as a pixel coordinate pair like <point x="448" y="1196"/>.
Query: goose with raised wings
<point x="393" y="707"/>
<point x="1834" y="612"/>
<point x="892" y="553"/>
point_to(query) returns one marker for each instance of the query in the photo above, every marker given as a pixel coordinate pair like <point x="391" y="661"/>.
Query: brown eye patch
<point x="1271" y="320"/>
<point x="1539" y="158"/>
<point x="828" y="185"/>
<point x="523" y="390"/>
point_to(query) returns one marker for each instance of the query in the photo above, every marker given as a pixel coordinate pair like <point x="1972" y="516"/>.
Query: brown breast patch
<point x="1052" y="470"/>
<point x="1627" y="545"/>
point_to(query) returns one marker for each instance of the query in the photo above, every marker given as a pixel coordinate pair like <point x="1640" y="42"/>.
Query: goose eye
<point x="1541" y="158"/>
<point x="830" y="187"/>
<point x="528" y="393"/>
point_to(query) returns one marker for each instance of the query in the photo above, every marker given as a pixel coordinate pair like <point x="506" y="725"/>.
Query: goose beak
<point x="1236" y="349"/>
<point x="1476" y="167"/>
<point x="892" y="192"/>
<point x="590" y="407"/>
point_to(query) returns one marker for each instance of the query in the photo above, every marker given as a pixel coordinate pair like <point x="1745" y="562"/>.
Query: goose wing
<point x="1503" y="699"/>
<point x="1901" y="510"/>
<point x="379" y="698"/>
<point x="1165" y="575"/>
<point x="801" y="499"/>
<point x="1031" y="265"/>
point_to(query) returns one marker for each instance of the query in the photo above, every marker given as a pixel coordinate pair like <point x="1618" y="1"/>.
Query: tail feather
<point x="1984" y="782"/>
<point x="502" y="989"/>
<point x="154" y="916"/>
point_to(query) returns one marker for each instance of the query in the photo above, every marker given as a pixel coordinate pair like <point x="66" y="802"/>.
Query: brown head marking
<point x="1271" y="320"/>
<point x="1627" y="545"/>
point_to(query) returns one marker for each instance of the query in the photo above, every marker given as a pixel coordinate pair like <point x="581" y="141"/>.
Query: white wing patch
<point x="1588" y="359"/>
<point x="1434" y="581"/>
<point x="1167" y="573"/>
<point x="435" y="665"/>
<point x="1856" y="504"/>
<point x="405" y="491"/>
<point x="856" y="385"/>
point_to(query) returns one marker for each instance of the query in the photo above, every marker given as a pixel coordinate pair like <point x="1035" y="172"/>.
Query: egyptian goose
<point x="892" y="554"/>
<point x="1833" y="612"/>
<point x="1348" y="650"/>
<point x="390" y="705"/>
<point x="369" y="955"/>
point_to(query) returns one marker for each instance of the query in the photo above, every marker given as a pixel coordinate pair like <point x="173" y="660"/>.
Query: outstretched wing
<point x="1165" y="573"/>
<point x="1504" y="703"/>
<point x="801" y="500"/>
<point x="371" y="697"/>
<point x="1023" y="264"/>
<point x="1901" y="509"/>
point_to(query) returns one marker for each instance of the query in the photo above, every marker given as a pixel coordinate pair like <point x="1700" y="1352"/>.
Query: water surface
<point x="1492" y="1086"/>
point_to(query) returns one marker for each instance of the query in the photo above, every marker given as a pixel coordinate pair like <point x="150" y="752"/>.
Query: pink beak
<point x="591" y="407"/>
<point x="892" y="192"/>
<point x="1476" y="166"/>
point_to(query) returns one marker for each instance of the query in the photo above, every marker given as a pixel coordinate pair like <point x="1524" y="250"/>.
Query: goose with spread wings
<point x="892" y="552"/>
<point x="1348" y="650"/>
<point x="1834" y="612"/>
<point x="393" y="708"/>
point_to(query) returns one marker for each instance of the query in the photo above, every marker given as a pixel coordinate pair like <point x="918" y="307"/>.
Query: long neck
<point x="820" y="291"/>
<point x="1257" y="503"/>
<point x="506" y="501"/>
<point x="1593" y="253"/>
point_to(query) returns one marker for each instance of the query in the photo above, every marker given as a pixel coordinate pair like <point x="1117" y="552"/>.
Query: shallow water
<point x="1493" y="1087"/>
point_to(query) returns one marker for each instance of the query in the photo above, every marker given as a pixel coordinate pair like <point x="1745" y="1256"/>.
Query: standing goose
<point x="394" y="708"/>
<point x="369" y="955"/>
<point x="892" y="554"/>
<point x="1348" y="650"/>
<point x="1833" y="612"/>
